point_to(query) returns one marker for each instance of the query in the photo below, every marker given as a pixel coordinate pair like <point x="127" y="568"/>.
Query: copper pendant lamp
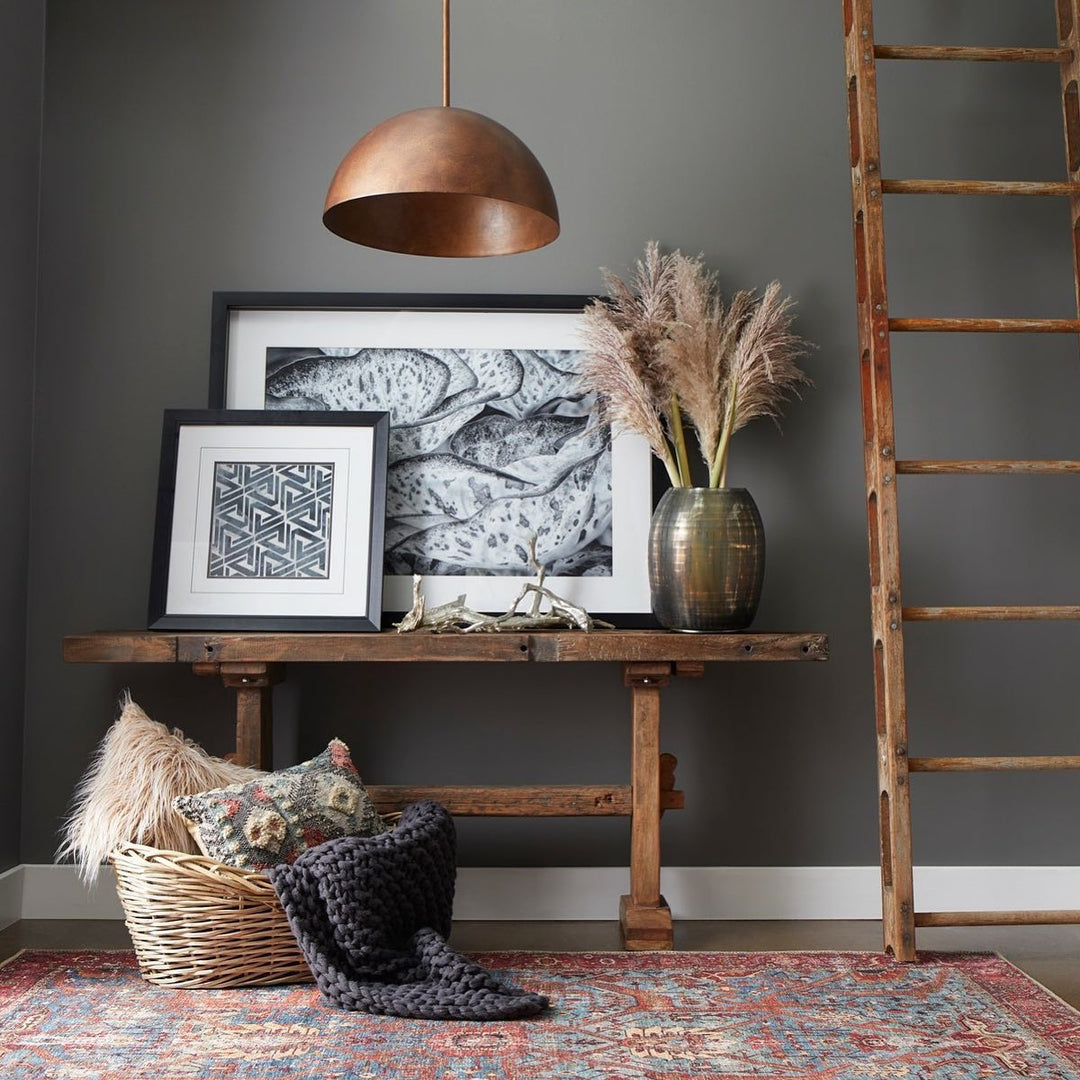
<point x="442" y="181"/>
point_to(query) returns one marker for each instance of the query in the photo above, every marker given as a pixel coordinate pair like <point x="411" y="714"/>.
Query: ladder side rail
<point x="1068" y="18"/>
<point x="898" y="927"/>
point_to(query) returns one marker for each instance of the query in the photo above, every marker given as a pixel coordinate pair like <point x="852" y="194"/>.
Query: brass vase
<point x="706" y="559"/>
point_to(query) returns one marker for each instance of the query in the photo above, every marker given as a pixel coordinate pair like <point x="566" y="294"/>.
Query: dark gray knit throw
<point x="372" y="913"/>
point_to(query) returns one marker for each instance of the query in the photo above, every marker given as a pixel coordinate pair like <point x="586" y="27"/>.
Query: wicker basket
<point x="197" y="923"/>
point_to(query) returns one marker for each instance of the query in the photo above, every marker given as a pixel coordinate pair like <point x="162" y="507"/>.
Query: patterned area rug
<point x="615" y="1016"/>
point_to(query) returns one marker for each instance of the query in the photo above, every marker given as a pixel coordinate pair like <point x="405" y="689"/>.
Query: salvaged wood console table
<point x="250" y="663"/>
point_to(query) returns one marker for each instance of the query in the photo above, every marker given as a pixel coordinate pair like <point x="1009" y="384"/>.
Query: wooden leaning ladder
<point x="899" y="917"/>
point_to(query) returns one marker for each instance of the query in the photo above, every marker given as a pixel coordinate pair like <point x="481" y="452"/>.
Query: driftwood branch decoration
<point x="457" y="617"/>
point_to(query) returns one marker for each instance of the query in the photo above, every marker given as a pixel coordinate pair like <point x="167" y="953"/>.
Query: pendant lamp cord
<point x="446" y="53"/>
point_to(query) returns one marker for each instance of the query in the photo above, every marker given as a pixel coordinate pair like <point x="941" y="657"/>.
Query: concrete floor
<point x="1049" y="954"/>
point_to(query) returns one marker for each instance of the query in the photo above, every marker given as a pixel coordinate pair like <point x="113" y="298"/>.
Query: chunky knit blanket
<point x="372" y="913"/>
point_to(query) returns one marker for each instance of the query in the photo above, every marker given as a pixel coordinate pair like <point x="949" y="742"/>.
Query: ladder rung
<point x="986" y="468"/>
<point x="996" y="918"/>
<point x="980" y="187"/>
<point x="946" y="614"/>
<point x="993" y="764"/>
<point x="986" y="326"/>
<point x="972" y="52"/>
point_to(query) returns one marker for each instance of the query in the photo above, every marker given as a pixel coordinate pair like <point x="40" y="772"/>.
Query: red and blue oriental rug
<point x="614" y="1016"/>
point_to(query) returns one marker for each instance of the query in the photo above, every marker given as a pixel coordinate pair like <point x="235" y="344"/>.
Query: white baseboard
<point x="11" y="888"/>
<point x="759" y="892"/>
<point x="694" y="892"/>
<point x="57" y="892"/>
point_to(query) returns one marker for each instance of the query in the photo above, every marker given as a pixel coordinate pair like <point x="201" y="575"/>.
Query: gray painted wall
<point x="188" y="148"/>
<point x="21" y="47"/>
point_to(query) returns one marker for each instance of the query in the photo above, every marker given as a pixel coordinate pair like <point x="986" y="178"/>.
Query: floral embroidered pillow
<point x="271" y="820"/>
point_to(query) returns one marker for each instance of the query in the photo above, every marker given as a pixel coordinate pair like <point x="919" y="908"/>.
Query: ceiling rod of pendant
<point x="446" y="53"/>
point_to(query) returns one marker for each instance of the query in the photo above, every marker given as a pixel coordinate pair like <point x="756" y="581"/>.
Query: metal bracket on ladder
<point x="868" y="187"/>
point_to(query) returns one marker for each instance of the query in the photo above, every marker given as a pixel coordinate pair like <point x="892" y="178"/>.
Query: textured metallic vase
<point x="706" y="559"/>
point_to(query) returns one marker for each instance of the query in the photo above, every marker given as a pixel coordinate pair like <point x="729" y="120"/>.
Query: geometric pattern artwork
<point x="271" y="520"/>
<point x="613" y="1016"/>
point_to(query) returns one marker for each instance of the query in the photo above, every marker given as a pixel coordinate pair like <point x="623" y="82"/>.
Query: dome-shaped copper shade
<point x="442" y="181"/>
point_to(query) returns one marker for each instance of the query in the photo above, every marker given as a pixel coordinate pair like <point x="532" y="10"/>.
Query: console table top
<point x="541" y="646"/>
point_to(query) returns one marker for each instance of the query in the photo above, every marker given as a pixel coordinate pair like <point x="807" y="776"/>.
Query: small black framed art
<point x="269" y="521"/>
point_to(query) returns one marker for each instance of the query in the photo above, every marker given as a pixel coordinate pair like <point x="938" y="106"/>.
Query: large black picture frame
<point x="269" y="521"/>
<point x="245" y="324"/>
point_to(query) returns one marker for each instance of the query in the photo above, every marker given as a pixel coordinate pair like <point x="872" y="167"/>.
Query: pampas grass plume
<point x="666" y="344"/>
<point x="126" y="793"/>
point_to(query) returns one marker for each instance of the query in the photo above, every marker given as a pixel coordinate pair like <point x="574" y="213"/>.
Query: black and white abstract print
<point x="271" y="520"/>
<point x="488" y="448"/>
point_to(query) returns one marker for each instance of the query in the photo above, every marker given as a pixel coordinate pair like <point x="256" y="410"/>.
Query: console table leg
<point x="253" y="684"/>
<point x="254" y="726"/>
<point x="644" y="917"/>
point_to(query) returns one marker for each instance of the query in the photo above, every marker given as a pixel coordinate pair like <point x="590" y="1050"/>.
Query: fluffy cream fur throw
<point x="126" y="794"/>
